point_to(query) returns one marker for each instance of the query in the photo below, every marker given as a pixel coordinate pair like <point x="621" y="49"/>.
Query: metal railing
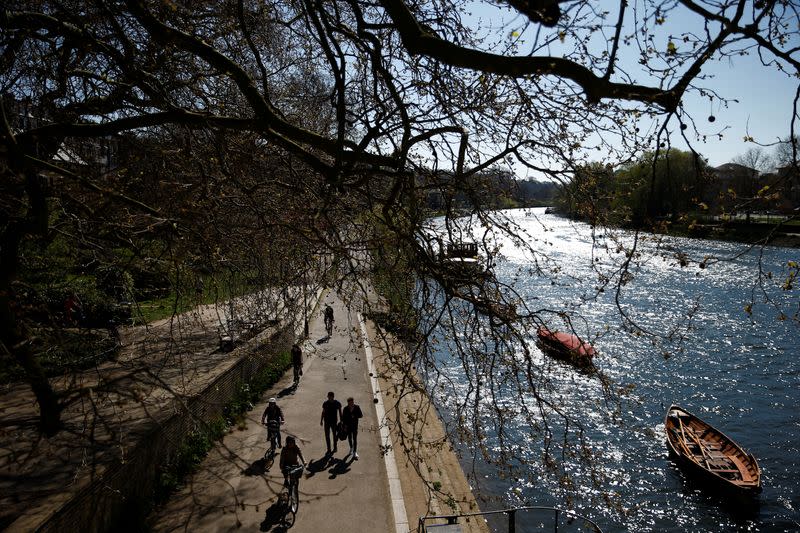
<point x="558" y="514"/>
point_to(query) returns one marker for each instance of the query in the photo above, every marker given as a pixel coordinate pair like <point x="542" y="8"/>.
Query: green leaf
<point x="671" y="48"/>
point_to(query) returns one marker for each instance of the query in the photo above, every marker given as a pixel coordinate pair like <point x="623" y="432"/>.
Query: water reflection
<point x="738" y="371"/>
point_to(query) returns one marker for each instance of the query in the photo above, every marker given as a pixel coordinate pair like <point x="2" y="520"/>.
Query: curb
<point x="395" y="488"/>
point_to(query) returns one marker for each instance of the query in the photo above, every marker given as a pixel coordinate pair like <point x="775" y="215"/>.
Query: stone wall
<point x="120" y="497"/>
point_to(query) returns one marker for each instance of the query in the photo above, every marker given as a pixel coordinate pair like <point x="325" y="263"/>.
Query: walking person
<point x="273" y="414"/>
<point x="331" y="414"/>
<point x="297" y="363"/>
<point x="328" y="314"/>
<point x="350" y="415"/>
<point x="73" y="310"/>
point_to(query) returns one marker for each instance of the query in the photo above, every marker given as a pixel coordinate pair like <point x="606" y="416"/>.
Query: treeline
<point x="497" y="189"/>
<point x="674" y="186"/>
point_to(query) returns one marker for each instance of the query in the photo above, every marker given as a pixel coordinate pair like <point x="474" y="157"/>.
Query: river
<point x="739" y="371"/>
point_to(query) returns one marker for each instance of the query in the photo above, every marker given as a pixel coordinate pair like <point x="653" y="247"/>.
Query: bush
<point x="197" y="444"/>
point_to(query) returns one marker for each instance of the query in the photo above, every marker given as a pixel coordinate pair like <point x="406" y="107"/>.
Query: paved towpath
<point x="232" y="491"/>
<point x="174" y="357"/>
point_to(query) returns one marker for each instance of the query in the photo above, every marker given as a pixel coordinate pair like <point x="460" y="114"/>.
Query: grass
<point x="185" y="299"/>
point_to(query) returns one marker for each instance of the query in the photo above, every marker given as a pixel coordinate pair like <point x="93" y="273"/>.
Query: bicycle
<point x="290" y="498"/>
<point x="272" y="437"/>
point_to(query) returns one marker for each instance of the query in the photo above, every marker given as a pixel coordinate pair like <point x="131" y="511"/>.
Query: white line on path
<point x="395" y="488"/>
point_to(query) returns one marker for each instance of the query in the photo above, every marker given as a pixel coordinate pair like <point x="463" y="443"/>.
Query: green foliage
<point x="196" y="446"/>
<point x="655" y="186"/>
<point x="664" y="184"/>
<point x="188" y="290"/>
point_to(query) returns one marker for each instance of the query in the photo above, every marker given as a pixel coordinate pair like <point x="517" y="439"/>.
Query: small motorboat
<point x="705" y="451"/>
<point x="566" y="346"/>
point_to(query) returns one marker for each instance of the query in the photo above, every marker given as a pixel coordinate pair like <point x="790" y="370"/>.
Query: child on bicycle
<point x="273" y="414"/>
<point x="291" y="456"/>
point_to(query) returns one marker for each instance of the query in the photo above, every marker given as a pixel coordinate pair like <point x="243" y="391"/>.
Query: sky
<point x="764" y="96"/>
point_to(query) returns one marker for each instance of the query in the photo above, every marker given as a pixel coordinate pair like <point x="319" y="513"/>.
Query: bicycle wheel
<point x="294" y="497"/>
<point x="269" y="458"/>
<point x="290" y="508"/>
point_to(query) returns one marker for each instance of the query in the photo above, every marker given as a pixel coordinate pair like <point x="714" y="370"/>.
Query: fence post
<point x="512" y="521"/>
<point x="555" y="526"/>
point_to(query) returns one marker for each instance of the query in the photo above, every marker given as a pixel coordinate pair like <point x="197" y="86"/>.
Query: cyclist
<point x="273" y="414"/>
<point x="291" y="456"/>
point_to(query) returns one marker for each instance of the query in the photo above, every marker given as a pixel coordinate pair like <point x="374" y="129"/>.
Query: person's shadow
<point x="273" y="519"/>
<point x="341" y="466"/>
<point x="319" y="465"/>
<point x="259" y="467"/>
<point x="291" y="389"/>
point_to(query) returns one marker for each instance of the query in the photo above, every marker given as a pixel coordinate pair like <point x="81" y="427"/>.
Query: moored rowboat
<point x="565" y="346"/>
<point x="707" y="452"/>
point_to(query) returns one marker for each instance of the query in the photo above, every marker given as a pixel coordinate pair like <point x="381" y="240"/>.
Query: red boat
<point x="566" y="346"/>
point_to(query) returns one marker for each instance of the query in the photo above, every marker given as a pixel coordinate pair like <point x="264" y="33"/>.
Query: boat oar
<point x="693" y="436"/>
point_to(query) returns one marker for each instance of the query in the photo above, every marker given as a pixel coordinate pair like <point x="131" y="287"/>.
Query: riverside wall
<point x="121" y="495"/>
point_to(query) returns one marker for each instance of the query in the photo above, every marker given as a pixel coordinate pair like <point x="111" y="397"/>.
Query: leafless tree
<point x="355" y="111"/>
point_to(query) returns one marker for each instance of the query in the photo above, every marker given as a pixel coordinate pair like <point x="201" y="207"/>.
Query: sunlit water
<point x="739" y="372"/>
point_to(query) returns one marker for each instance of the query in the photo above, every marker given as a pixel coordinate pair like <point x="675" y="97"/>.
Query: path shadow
<point x="273" y="519"/>
<point x="341" y="466"/>
<point x="291" y="389"/>
<point x="259" y="467"/>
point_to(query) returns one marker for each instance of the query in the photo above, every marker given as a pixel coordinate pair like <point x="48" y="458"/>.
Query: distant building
<point x="96" y="155"/>
<point x="783" y="188"/>
<point x="733" y="186"/>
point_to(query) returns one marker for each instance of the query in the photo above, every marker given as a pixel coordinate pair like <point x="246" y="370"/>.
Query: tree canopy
<point x="283" y="123"/>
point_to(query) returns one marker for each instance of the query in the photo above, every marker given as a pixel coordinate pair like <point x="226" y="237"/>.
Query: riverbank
<point x="127" y="418"/>
<point x="433" y="481"/>
<point x="384" y="490"/>
<point x="754" y="233"/>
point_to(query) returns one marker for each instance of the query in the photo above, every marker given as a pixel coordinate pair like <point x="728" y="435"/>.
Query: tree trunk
<point x="13" y="334"/>
<point x="16" y="344"/>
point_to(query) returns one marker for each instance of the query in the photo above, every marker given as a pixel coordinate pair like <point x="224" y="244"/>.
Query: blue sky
<point x="764" y="96"/>
<point x="765" y="100"/>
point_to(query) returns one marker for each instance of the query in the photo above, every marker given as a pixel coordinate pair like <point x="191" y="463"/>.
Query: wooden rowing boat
<point x="707" y="452"/>
<point x="565" y="346"/>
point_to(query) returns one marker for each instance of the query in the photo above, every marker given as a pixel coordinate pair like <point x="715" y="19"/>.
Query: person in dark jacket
<point x="328" y="316"/>
<point x="297" y="363"/>
<point x="291" y="456"/>
<point x="273" y="413"/>
<point x="350" y="415"/>
<point x="331" y="413"/>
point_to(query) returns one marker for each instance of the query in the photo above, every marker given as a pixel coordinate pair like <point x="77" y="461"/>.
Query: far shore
<point x="750" y="233"/>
